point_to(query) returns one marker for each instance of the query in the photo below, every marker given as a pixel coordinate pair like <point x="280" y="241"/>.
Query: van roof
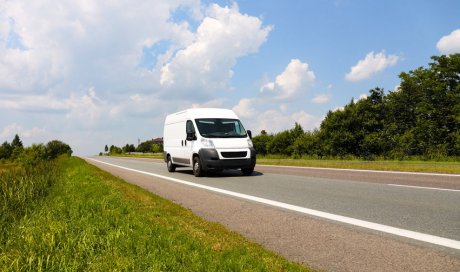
<point x="200" y="113"/>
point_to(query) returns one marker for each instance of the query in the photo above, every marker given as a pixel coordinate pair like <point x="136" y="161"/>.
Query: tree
<point x="145" y="146"/>
<point x="157" y="148"/>
<point x="261" y="142"/>
<point x="17" y="148"/>
<point x="16" y="142"/>
<point x="306" y="144"/>
<point x="280" y="144"/>
<point x="115" y="150"/>
<point x="129" y="148"/>
<point x="33" y="155"/>
<point x="56" y="148"/>
<point x="6" y="150"/>
<point x="106" y="149"/>
<point x="424" y="112"/>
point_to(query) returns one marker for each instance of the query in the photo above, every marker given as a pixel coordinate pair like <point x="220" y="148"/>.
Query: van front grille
<point x="239" y="154"/>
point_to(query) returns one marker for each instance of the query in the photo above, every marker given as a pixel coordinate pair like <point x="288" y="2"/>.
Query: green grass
<point x="145" y="155"/>
<point x="385" y="165"/>
<point x="92" y="221"/>
<point x="5" y="166"/>
<point x="411" y="165"/>
<point x="22" y="186"/>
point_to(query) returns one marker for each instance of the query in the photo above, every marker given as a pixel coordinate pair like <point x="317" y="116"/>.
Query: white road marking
<point x="441" y="241"/>
<point x="362" y="170"/>
<point x="426" y="188"/>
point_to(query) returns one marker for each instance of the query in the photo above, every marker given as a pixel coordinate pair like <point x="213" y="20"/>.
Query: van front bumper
<point x="210" y="160"/>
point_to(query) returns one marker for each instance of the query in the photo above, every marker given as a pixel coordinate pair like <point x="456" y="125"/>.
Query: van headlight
<point x="207" y="143"/>
<point x="250" y="143"/>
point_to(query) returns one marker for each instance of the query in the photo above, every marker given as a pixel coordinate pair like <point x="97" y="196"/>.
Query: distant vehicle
<point x="207" y="139"/>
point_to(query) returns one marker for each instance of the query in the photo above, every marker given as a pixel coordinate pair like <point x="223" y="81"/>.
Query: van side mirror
<point x="250" y="134"/>
<point x="191" y="136"/>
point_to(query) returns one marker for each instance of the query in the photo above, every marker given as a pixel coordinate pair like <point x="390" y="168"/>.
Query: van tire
<point x="197" y="169"/>
<point x="247" y="171"/>
<point x="171" y="166"/>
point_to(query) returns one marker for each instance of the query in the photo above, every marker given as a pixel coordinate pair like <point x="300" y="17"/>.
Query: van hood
<point x="230" y="142"/>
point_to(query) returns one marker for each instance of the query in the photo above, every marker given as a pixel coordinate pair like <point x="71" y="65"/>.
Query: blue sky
<point x="93" y="74"/>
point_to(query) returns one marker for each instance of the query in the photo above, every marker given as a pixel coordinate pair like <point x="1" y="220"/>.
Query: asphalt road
<point x="425" y="205"/>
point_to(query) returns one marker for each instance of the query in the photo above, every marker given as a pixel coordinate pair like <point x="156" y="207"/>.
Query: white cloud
<point x="361" y="97"/>
<point x="75" y="42"/>
<point x="321" y="98"/>
<point x="449" y="44"/>
<point x="206" y="64"/>
<point x="10" y="130"/>
<point x="293" y="81"/>
<point x="370" y="65"/>
<point x="214" y="103"/>
<point x="244" y="108"/>
<point x="274" y="121"/>
<point x="341" y="108"/>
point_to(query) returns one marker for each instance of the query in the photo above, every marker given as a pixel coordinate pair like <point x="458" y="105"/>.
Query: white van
<point x="207" y="139"/>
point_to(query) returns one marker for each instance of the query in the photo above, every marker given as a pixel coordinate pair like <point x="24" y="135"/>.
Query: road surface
<point x="330" y="219"/>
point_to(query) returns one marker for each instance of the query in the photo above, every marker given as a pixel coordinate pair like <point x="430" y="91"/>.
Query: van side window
<point x="190" y="127"/>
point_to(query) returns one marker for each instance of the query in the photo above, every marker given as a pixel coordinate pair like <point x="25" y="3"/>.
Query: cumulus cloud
<point x="321" y="98"/>
<point x="223" y="36"/>
<point x="450" y="44"/>
<point x="12" y="129"/>
<point x="274" y="121"/>
<point x="214" y="103"/>
<point x="370" y="65"/>
<point x="76" y="42"/>
<point x="293" y="81"/>
<point x="361" y="97"/>
<point x="51" y="54"/>
<point x="244" y="108"/>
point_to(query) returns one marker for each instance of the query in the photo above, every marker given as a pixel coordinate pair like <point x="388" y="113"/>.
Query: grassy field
<point x="449" y="167"/>
<point x="405" y="166"/>
<point x="92" y="221"/>
<point x="5" y="166"/>
<point x="146" y="155"/>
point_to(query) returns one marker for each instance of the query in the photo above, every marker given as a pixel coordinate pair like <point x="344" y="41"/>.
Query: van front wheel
<point x="197" y="170"/>
<point x="247" y="171"/>
<point x="170" y="165"/>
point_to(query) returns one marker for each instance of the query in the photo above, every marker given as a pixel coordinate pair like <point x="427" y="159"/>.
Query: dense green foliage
<point x="92" y="221"/>
<point x="34" y="153"/>
<point x="420" y="118"/>
<point x="148" y="146"/>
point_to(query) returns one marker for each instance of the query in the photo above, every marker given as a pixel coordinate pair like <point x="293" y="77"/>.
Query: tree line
<point x="148" y="146"/>
<point x="15" y="151"/>
<point x="421" y="118"/>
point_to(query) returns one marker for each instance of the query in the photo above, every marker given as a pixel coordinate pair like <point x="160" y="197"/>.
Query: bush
<point x="55" y="148"/>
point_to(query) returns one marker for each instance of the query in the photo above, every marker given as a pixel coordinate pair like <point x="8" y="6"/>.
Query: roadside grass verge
<point x="410" y="165"/>
<point x="20" y="187"/>
<point x="449" y="167"/>
<point x="93" y="221"/>
<point x="145" y="155"/>
<point x="5" y="166"/>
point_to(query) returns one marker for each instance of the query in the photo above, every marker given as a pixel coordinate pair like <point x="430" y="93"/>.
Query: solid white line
<point x="343" y="219"/>
<point x="426" y="188"/>
<point x="363" y="170"/>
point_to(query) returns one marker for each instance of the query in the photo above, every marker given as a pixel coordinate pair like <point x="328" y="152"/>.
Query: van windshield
<point x="220" y="128"/>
